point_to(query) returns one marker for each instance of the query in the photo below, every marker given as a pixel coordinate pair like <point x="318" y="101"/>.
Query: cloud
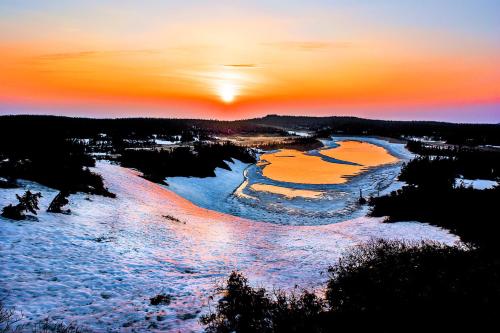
<point x="85" y="54"/>
<point x="57" y="56"/>
<point x="241" y="65"/>
<point x="310" y="45"/>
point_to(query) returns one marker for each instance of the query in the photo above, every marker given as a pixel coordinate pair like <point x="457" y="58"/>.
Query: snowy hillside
<point x="100" y="265"/>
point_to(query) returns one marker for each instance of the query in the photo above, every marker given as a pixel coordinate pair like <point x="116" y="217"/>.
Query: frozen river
<point x="320" y="186"/>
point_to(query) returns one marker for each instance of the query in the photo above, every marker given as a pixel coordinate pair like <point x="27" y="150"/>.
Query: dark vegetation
<point x="173" y="219"/>
<point x="9" y="323"/>
<point x="381" y="285"/>
<point x="160" y="299"/>
<point x="8" y="320"/>
<point x="130" y="128"/>
<point x="471" y="214"/>
<point x="49" y="159"/>
<point x="140" y="128"/>
<point x="200" y="161"/>
<point x="301" y="143"/>
<point x="28" y="203"/>
<point x="8" y="183"/>
<point x="47" y="326"/>
<point x="406" y="281"/>
<point x="469" y="162"/>
<point x="54" y="151"/>
<point x="469" y="134"/>
<point x="242" y="308"/>
<point x="432" y="196"/>
<point x="58" y="203"/>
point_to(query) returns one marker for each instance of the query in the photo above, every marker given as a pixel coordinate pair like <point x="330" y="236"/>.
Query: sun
<point x="227" y="92"/>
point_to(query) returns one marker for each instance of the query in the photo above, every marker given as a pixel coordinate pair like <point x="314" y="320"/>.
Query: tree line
<point x="199" y="161"/>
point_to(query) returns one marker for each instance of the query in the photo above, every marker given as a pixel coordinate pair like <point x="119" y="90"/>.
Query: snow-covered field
<point x="100" y="265"/>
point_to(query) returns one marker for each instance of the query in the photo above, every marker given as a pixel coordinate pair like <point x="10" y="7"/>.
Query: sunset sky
<point x="403" y="59"/>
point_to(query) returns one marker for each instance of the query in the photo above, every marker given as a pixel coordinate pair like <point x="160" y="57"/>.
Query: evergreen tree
<point x="60" y="200"/>
<point x="28" y="202"/>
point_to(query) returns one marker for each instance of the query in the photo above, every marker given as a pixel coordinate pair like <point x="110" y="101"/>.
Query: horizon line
<point x="245" y="119"/>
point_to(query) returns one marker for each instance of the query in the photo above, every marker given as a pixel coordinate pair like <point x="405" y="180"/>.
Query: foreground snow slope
<point x="100" y="265"/>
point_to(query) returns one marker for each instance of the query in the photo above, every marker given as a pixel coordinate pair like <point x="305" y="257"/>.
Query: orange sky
<point x="233" y="61"/>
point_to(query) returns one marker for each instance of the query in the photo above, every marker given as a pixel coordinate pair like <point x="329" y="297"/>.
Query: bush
<point x="245" y="309"/>
<point x="8" y="320"/>
<point x="381" y="284"/>
<point x="160" y="299"/>
<point x="13" y="213"/>
<point x="57" y="204"/>
<point x="27" y="203"/>
<point x="9" y="323"/>
<point x="387" y="280"/>
<point x="46" y="326"/>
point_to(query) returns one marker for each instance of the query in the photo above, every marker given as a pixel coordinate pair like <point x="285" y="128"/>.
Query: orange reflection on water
<point x="363" y="153"/>
<point x="294" y="166"/>
<point x="287" y="192"/>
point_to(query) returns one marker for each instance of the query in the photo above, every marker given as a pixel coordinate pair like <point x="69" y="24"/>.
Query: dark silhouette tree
<point x="28" y="202"/>
<point x="60" y="200"/>
<point x="187" y="136"/>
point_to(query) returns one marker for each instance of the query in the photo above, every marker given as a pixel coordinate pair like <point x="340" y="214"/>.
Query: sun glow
<point x="193" y="62"/>
<point x="227" y="92"/>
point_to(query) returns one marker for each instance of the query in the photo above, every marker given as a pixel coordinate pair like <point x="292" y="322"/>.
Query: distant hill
<point x="10" y="126"/>
<point x="325" y="126"/>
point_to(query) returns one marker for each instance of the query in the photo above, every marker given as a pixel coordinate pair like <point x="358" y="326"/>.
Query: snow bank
<point x="166" y="142"/>
<point x="300" y="133"/>
<point x="424" y="139"/>
<point x="206" y="192"/>
<point x="478" y="184"/>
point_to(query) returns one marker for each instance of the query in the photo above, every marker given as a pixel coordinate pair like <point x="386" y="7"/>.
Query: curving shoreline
<point x="338" y="202"/>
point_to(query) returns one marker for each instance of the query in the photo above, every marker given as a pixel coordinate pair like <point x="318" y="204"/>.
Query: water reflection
<point x="294" y="166"/>
<point x="359" y="152"/>
<point x="287" y="192"/>
<point x="320" y="186"/>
